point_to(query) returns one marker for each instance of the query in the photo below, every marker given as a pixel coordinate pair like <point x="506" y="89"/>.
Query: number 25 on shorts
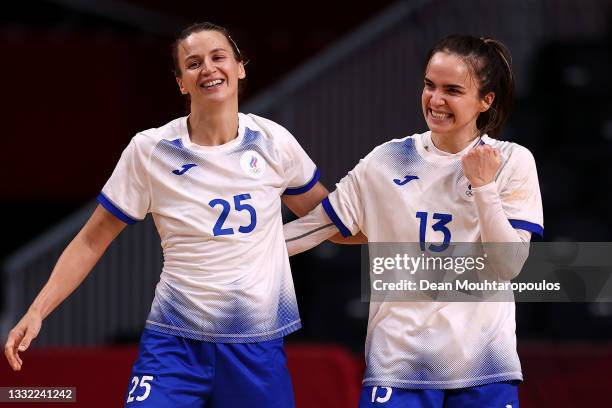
<point x="144" y="383"/>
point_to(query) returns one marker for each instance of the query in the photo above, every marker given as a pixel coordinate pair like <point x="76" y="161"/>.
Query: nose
<point x="437" y="99"/>
<point x="207" y="68"/>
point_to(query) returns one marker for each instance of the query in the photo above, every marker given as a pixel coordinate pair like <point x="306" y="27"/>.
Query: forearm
<point x="507" y="248"/>
<point x="494" y="225"/>
<point x="77" y="260"/>
<point x="308" y="231"/>
<point x="75" y="263"/>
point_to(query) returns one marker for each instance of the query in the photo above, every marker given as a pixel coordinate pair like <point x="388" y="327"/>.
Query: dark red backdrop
<point x="323" y="376"/>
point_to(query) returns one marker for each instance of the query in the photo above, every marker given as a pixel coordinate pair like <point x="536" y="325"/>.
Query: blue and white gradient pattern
<point x="441" y="345"/>
<point x="234" y="319"/>
<point x="234" y="286"/>
<point x="392" y="196"/>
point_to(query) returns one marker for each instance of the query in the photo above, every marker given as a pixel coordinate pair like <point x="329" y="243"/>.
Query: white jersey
<point x="408" y="191"/>
<point x="226" y="274"/>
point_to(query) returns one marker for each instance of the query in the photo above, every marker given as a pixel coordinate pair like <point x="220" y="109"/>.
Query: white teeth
<point x="213" y="83"/>
<point x="439" y="115"/>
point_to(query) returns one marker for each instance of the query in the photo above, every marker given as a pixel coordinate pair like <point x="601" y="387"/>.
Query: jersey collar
<point x="430" y="153"/>
<point x="184" y="134"/>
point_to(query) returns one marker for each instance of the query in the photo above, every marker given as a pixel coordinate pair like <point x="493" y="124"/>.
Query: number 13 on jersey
<point x="438" y="226"/>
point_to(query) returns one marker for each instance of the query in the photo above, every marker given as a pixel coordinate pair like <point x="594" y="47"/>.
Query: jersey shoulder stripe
<point x="527" y="226"/>
<point x="306" y="187"/>
<point x="331" y="213"/>
<point x="115" y="210"/>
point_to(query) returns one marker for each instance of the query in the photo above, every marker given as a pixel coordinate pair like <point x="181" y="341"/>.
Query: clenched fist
<point x="480" y="165"/>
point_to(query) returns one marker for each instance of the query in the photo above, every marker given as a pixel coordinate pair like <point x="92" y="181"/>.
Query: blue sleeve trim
<point x="301" y="190"/>
<point x="331" y="213"/>
<point x="113" y="209"/>
<point x="528" y="226"/>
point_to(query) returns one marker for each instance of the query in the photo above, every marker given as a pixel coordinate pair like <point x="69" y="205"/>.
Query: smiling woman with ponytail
<point x="456" y="183"/>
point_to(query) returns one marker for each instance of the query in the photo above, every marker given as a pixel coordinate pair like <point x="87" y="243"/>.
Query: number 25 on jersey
<point x="225" y="210"/>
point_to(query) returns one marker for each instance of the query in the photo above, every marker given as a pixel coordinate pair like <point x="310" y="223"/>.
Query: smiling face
<point x="451" y="101"/>
<point x="209" y="71"/>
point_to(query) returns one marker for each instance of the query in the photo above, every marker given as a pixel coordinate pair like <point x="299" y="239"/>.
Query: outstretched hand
<point x="480" y="165"/>
<point x="20" y="338"/>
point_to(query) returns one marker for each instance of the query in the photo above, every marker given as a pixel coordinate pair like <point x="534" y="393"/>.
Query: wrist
<point x="486" y="195"/>
<point x="484" y="187"/>
<point x="35" y="311"/>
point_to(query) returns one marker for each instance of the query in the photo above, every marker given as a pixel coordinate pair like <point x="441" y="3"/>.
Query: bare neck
<point x="453" y="143"/>
<point x="213" y="128"/>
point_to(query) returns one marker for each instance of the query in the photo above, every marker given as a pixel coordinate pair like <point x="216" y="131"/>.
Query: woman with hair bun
<point x="213" y="182"/>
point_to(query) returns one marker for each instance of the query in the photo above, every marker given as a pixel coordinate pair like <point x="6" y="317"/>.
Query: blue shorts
<point x="495" y="395"/>
<point x="173" y="371"/>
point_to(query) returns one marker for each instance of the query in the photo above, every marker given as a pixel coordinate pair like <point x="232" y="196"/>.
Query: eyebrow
<point x="219" y="49"/>
<point x="212" y="51"/>
<point x="448" y="86"/>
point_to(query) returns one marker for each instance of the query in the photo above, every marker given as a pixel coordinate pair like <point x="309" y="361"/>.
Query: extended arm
<point x="309" y="231"/>
<point x="301" y="205"/>
<point x="73" y="266"/>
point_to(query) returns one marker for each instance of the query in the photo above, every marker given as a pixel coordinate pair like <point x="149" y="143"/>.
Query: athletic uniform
<point x="406" y="190"/>
<point x="225" y="293"/>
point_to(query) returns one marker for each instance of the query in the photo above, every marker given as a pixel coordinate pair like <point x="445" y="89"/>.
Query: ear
<point x="181" y="85"/>
<point x="487" y="101"/>
<point x="241" y="71"/>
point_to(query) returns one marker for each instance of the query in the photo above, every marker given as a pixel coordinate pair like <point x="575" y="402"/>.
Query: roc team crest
<point x="252" y="164"/>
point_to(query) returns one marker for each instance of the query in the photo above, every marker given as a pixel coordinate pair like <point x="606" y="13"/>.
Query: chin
<point x="438" y="129"/>
<point x="215" y="99"/>
<point x="221" y="96"/>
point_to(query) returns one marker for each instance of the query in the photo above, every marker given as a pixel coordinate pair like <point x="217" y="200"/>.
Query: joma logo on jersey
<point x="405" y="180"/>
<point x="184" y="169"/>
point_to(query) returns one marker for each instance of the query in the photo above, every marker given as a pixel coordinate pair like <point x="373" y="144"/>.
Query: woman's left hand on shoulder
<point x="480" y="165"/>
